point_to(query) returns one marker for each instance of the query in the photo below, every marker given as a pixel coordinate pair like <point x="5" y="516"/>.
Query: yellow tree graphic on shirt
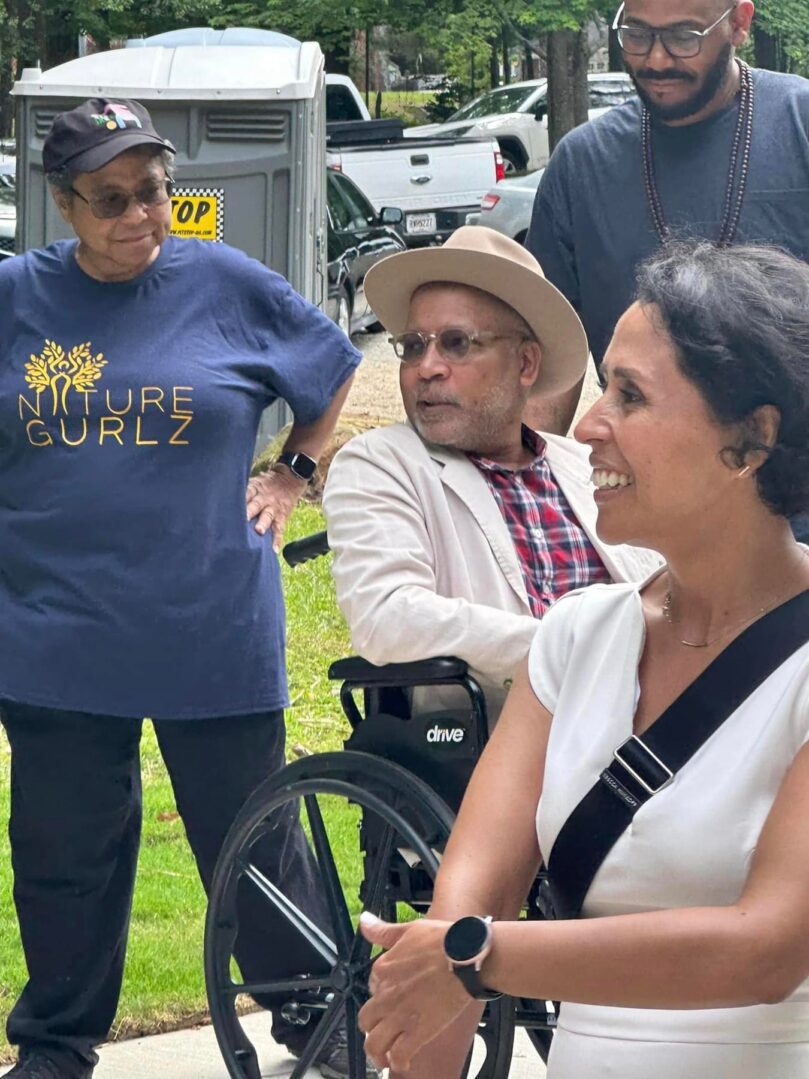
<point x="57" y="371"/>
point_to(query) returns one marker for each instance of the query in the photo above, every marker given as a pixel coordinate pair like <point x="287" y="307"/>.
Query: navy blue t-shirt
<point x="131" y="583"/>
<point x="591" y="224"/>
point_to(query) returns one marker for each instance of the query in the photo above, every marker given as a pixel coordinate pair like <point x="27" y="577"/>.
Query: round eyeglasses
<point x="116" y="203"/>
<point x="679" y="43"/>
<point x="455" y="345"/>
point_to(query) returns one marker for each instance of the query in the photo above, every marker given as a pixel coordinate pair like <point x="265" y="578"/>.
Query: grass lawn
<point x="407" y="104"/>
<point x="163" y="984"/>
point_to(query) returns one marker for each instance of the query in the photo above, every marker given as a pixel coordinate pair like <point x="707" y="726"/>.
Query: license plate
<point x="418" y="223"/>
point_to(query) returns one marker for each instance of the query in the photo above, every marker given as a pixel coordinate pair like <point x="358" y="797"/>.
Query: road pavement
<point x="193" y="1054"/>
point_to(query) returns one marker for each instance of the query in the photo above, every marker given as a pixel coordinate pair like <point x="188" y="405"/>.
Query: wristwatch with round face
<point x="299" y="464"/>
<point x="466" y="944"/>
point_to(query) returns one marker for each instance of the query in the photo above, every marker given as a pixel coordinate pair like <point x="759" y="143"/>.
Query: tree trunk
<point x="581" y="94"/>
<point x="616" y="56"/>
<point x="567" y="83"/>
<point x="506" y="59"/>
<point x="60" y="43"/>
<point x="529" y="70"/>
<point x="494" y="67"/>
<point x="766" y="49"/>
<point x="6" y="101"/>
<point x="7" y="60"/>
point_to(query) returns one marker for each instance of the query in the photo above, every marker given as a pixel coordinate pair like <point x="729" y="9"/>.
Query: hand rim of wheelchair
<point x="327" y="773"/>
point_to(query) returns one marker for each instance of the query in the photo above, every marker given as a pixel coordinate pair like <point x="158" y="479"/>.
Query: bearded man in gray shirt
<point x="708" y="149"/>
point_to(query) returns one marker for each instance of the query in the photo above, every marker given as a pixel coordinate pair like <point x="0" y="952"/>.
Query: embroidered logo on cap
<point x="115" y="117"/>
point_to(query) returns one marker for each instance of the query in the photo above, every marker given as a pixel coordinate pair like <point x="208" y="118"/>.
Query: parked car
<point x="358" y="238"/>
<point x="436" y="182"/>
<point x="8" y="207"/>
<point x="517" y="116"/>
<point x="508" y="206"/>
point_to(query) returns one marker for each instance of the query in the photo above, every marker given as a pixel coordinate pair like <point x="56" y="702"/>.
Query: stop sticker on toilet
<point x="198" y="212"/>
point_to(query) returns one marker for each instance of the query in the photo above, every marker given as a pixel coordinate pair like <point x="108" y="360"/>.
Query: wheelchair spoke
<point x="289" y="985"/>
<point x="375" y="894"/>
<point x="332" y="1018"/>
<point x="335" y="899"/>
<point x="356" y="1042"/>
<point x="311" y="933"/>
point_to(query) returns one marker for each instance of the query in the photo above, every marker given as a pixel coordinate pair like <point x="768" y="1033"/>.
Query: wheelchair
<point x="376" y="816"/>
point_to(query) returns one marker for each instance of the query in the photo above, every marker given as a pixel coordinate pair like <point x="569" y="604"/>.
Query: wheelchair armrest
<point x="422" y="672"/>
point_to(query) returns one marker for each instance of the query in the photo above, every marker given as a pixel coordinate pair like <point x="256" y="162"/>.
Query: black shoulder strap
<point x="640" y="768"/>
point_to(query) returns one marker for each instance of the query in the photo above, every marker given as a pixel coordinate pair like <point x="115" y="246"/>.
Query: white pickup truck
<point x="435" y="182"/>
<point x="517" y="116"/>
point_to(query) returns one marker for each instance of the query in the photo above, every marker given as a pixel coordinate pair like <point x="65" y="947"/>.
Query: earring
<point x="743" y="472"/>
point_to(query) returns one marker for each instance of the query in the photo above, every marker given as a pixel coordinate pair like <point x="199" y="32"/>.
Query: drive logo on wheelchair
<point x="442" y="732"/>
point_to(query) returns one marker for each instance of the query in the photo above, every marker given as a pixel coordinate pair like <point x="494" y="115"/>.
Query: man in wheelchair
<point x="452" y="535"/>
<point x="454" y="532"/>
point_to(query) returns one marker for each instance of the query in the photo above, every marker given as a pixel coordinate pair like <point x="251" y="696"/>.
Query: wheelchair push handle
<point x="304" y="550"/>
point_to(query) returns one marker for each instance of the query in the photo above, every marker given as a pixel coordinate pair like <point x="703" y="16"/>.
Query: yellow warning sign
<point x="198" y="213"/>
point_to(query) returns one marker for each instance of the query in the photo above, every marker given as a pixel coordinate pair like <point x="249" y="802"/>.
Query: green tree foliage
<point x="781" y="35"/>
<point x="46" y="32"/>
<point x="332" y="24"/>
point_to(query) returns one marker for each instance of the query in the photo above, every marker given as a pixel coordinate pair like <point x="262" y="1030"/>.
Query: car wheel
<point x="511" y="164"/>
<point x="344" y="313"/>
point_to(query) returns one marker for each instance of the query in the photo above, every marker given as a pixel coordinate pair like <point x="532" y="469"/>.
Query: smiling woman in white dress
<point x="691" y="957"/>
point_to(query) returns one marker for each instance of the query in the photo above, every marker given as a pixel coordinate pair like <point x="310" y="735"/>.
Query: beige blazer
<point x="424" y="564"/>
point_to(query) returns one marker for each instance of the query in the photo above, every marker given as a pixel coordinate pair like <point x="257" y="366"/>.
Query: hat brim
<point x="98" y="156"/>
<point x="390" y="285"/>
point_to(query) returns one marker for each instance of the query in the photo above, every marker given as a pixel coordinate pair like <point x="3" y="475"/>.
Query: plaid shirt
<point x="553" y="550"/>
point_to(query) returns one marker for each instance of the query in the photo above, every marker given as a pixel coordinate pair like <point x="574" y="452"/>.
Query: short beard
<point x="714" y="78"/>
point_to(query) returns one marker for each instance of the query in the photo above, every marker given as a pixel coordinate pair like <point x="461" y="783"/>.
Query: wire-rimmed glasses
<point x="454" y="344"/>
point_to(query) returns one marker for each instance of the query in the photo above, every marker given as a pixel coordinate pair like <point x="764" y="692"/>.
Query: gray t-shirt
<point x="591" y="224"/>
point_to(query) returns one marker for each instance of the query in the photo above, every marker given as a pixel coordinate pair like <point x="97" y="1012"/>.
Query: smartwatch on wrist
<point x="466" y="944"/>
<point x="299" y="464"/>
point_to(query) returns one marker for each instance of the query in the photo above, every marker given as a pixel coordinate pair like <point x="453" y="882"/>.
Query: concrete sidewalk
<point x="194" y="1054"/>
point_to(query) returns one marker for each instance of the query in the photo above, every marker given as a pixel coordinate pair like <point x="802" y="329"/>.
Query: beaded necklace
<point x="737" y="173"/>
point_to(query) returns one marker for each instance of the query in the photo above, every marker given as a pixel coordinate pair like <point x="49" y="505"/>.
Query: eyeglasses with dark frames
<point x="455" y="345"/>
<point x="104" y="207"/>
<point x="679" y="43"/>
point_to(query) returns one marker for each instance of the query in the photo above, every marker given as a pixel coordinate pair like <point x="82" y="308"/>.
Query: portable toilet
<point x="248" y="122"/>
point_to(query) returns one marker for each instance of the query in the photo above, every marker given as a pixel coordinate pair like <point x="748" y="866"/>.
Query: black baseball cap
<point x="91" y="135"/>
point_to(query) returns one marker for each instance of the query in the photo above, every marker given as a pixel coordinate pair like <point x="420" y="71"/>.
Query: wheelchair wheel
<point x="373" y="831"/>
<point x="541" y="1035"/>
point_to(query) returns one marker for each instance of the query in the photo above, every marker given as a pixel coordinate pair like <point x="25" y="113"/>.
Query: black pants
<point x="75" y="831"/>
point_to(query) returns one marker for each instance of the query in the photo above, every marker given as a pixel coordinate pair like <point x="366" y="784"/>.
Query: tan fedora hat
<point x="487" y="260"/>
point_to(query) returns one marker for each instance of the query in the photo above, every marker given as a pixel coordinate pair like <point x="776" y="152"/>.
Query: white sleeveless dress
<point x="690" y="845"/>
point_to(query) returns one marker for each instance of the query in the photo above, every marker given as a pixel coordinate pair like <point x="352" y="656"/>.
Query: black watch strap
<point x="471" y="981"/>
<point x="467" y="942"/>
<point x="299" y="464"/>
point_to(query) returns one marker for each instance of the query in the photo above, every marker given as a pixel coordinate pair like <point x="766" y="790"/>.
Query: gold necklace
<point x="668" y="616"/>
